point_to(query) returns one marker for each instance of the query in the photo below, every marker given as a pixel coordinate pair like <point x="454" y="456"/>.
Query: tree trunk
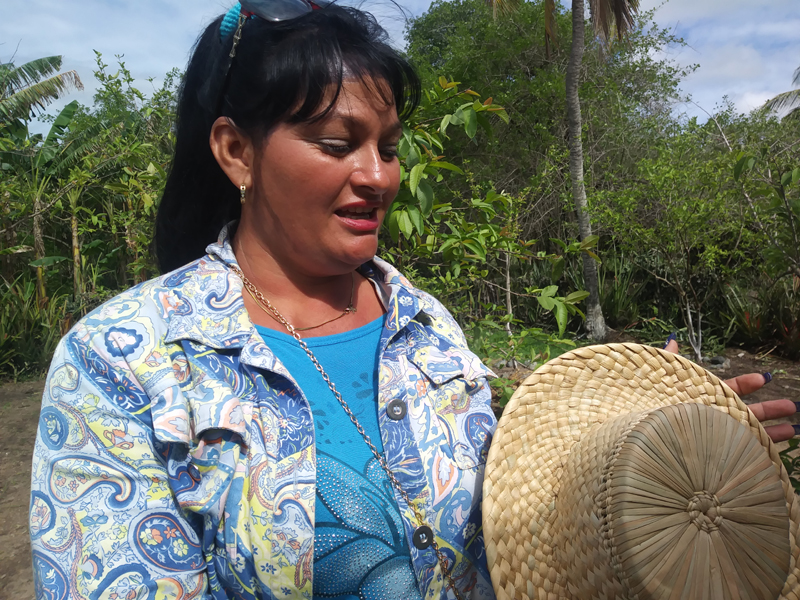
<point x="38" y="248"/>
<point x="595" y="324"/>
<point x="9" y="261"/>
<point x="77" y="284"/>
<point x="694" y="331"/>
<point x="122" y="265"/>
<point x="509" y="307"/>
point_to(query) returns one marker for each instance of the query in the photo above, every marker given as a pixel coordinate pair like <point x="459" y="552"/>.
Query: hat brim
<point x="549" y="413"/>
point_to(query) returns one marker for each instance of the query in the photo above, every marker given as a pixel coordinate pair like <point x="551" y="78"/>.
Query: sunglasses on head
<point x="269" y="10"/>
<point x="280" y="10"/>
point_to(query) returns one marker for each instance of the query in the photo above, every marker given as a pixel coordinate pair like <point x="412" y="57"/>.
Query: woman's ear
<point x="233" y="150"/>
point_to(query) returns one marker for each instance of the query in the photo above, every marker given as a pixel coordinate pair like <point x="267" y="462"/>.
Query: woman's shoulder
<point x="161" y="298"/>
<point x="136" y="326"/>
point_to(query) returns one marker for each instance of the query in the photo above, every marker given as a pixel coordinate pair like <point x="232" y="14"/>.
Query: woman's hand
<point x="764" y="411"/>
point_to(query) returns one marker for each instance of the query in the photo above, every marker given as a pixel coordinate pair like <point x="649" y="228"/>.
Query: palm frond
<point x="61" y="150"/>
<point x="793" y="114"/>
<point x="783" y="100"/>
<point x="550" y="32"/>
<point x="503" y="6"/>
<point x="50" y="146"/>
<point x="613" y="17"/>
<point x="35" y="97"/>
<point x="74" y="148"/>
<point x="13" y="79"/>
<point x="74" y="152"/>
<point x="796" y="77"/>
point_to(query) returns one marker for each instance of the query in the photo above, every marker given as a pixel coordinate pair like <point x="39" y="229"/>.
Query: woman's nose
<point x="374" y="171"/>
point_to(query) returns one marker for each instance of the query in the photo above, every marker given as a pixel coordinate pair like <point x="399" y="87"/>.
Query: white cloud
<point x="729" y="62"/>
<point x="751" y="100"/>
<point x="745" y="50"/>
<point x="767" y="33"/>
<point x="683" y="11"/>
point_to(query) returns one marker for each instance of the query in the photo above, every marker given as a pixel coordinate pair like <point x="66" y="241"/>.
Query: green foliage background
<point x="698" y="223"/>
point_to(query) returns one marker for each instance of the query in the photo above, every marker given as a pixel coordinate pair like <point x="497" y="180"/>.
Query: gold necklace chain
<point x="267" y="305"/>
<point x="350" y="308"/>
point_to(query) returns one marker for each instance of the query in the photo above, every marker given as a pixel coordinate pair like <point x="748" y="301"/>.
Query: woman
<point x="190" y="445"/>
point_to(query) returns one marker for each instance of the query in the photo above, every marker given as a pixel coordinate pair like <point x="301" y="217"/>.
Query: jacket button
<point x="423" y="537"/>
<point x="194" y="472"/>
<point x="396" y="409"/>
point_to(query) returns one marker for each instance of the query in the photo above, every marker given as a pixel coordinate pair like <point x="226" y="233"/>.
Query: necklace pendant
<point x="349" y="309"/>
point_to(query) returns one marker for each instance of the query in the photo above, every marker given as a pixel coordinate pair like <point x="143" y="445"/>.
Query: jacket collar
<point x="206" y="305"/>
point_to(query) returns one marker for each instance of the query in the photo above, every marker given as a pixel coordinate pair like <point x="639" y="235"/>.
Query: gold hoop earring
<point x="242" y="191"/>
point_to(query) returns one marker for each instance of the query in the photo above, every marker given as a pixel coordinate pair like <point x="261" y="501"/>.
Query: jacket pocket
<point x="458" y="391"/>
<point x="205" y="422"/>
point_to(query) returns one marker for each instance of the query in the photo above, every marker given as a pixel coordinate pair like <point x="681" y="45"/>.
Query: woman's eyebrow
<point x="397" y="127"/>
<point x="394" y="128"/>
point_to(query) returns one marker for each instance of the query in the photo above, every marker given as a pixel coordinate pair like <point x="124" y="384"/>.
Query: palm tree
<point x="24" y="91"/>
<point x="790" y="99"/>
<point x="29" y="88"/>
<point x="38" y="168"/>
<point x="608" y="17"/>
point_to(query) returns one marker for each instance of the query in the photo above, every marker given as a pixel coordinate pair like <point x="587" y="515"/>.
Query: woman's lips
<point x="359" y="220"/>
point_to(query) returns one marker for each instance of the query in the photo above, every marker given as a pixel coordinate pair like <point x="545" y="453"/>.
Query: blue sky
<point x="746" y="49"/>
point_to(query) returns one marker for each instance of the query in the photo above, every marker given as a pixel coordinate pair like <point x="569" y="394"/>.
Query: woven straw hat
<point x="624" y="471"/>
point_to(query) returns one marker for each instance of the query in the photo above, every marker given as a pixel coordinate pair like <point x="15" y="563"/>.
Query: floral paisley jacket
<point x="175" y="456"/>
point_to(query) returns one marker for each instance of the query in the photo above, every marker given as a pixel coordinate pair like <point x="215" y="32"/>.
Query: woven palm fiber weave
<point x="624" y="471"/>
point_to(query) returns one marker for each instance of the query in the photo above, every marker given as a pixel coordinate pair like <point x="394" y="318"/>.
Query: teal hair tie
<point x="230" y="21"/>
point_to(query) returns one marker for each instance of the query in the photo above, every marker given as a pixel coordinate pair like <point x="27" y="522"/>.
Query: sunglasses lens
<point x="276" y="10"/>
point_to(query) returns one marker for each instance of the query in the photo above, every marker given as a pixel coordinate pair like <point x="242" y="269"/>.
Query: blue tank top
<point x="360" y="546"/>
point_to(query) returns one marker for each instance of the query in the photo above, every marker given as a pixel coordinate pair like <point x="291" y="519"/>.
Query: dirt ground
<point x="19" y="417"/>
<point x="19" y="414"/>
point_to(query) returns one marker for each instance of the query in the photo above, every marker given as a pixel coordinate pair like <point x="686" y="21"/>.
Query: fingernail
<point x="767" y="377"/>
<point x="796" y="429"/>
<point x="671" y="337"/>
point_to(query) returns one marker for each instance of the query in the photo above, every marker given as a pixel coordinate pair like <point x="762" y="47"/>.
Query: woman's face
<point x="321" y="190"/>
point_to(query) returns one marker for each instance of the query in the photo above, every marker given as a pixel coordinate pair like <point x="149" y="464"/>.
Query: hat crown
<point x="529" y="472"/>
<point x="671" y="500"/>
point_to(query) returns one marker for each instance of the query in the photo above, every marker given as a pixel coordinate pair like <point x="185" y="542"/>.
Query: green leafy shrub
<point x="769" y="315"/>
<point x="791" y="460"/>
<point x="527" y="348"/>
<point x="29" y="332"/>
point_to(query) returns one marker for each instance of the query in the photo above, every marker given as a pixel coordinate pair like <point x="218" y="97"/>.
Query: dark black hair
<point x="281" y="73"/>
